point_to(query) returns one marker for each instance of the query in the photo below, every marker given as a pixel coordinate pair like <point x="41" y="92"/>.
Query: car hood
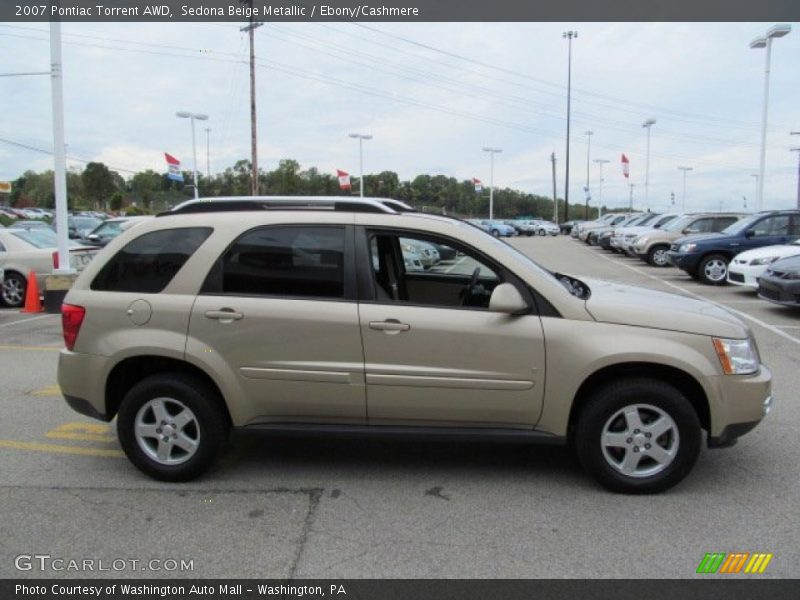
<point x="699" y="237"/>
<point x="781" y="250"/>
<point x="633" y="229"/>
<point x="641" y="307"/>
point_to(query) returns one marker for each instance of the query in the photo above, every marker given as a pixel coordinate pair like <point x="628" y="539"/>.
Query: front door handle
<point x="224" y="315"/>
<point x="389" y="326"/>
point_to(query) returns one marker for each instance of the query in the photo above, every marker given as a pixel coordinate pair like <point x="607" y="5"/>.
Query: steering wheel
<point x="467" y="291"/>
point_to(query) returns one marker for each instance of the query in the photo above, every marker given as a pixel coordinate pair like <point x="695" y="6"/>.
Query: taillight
<point x="71" y="319"/>
<point x="55" y="259"/>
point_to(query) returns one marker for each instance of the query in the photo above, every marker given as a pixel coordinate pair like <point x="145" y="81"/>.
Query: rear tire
<point x="542" y="232"/>
<point x="638" y="436"/>
<point x="172" y="426"/>
<point x="13" y="290"/>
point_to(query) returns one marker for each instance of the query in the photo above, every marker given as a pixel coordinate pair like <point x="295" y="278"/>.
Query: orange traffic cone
<point x="33" y="303"/>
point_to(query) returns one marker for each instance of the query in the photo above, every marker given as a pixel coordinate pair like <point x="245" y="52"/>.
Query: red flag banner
<point x="625" y="166"/>
<point x="478" y="185"/>
<point x="174" y="167"/>
<point x="344" y="179"/>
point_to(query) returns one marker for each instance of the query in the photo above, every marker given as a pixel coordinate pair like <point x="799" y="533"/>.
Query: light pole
<point x="568" y="35"/>
<point x="193" y="117"/>
<point x="798" y="167"/>
<point x="773" y="32"/>
<point x="755" y="177"/>
<point x="589" y="135"/>
<point x="59" y="150"/>
<point x="630" y="208"/>
<point x="683" y="200"/>
<point x="492" y="152"/>
<point x="361" y="137"/>
<point x="601" y="162"/>
<point x="208" y="152"/>
<point x="647" y="125"/>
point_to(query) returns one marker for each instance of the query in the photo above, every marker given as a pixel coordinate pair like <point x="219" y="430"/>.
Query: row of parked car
<point x="759" y="251"/>
<point x="31" y="246"/>
<point x="511" y="228"/>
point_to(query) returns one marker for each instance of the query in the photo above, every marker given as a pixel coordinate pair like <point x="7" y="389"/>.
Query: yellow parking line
<point x="95" y="428"/>
<point x="30" y="348"/>
<point x="50" y="390"/>
<point x="83" y="437"/>
<point x="55" y="449"/>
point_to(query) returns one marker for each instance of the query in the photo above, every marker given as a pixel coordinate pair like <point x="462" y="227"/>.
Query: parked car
<point x="81" y="226"/>
<point x="498" y="228"/>
<point x="26" y="250"/>
<point x="31" y="225"/>
<point x="780" y="283"/>
<point x="748" y="266"/>
<point x="546" y="228"/>
<point x="426" y="253"/>
<point x="652" y="246"/>
<point x="568" y="227"/>
<point x="107" y="230"/>
<point x="611" y="219"/>
<point x="209" y="318"/>
<point x="706" y="257"/>
<point x="593" y="237"/>
<point x="625" y="235"/>
<point x="8" y="212"/>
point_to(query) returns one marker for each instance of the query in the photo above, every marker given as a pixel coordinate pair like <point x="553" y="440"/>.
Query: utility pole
<point x="555" y="199"/>
<point x="360" y="137"/>
<point x="568" y="35"/>
<point x="59" y="150"/>
<point x="589" y="135"/>
<point x="250" y="28"/>
<point x="208" y="152"/>
<point x="798" y="167"/>
<point x="492" y="152"/>
<point x="647" y="125"/>
<point x="683" y="200"/>
<point x="630" y="208"/>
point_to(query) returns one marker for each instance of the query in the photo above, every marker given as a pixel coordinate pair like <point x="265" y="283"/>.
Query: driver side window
<point x="425" y="270"/>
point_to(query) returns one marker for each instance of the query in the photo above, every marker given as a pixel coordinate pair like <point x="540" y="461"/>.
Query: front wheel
<point x="638" y="436"/>
<point x="542" y="232"/>
<point x="713" y="269"/>
<point x="171" y="426"/>
<point x="495" y="233"/>
<point x="657" y="256"/>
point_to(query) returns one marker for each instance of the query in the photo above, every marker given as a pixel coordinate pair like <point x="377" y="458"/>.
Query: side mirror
<point x="507" y="299"/>
<point x="749" y="234"/>
<point x="689" y="230"/>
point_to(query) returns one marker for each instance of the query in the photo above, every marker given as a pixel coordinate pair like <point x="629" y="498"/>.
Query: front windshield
<point x="739" y="226"/>
<point x="108" y="228"/>
<point x="85" y="222"/>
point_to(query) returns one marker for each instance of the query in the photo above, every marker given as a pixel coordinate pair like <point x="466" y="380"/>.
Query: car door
<point x="434" y="353"/>
<point x="278" y="314"/>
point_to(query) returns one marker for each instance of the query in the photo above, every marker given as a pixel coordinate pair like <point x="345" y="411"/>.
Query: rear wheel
<point x="657" y="256"/>
<point x="542" y="232"/>
<point x="13" y="290"/>
<point x="713" y="269"/>
<point x="638" y="436"/>
<point x="171" y="426"/>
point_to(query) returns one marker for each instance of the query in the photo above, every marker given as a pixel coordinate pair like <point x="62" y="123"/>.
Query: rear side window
<point x="147" y="264"/>
<point x="291" y="261"/>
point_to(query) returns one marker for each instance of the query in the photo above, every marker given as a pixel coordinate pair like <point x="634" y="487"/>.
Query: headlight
<point x="737" y="357"/>
<point x="641" y="240"/>
<point x="687" y="247"/>
<point x="763" y="261"/>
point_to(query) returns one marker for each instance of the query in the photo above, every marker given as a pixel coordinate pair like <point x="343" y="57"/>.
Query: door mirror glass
<point x="691" y="230"/>
<point x="507" y="299"/>
<point x="749" y="233"/>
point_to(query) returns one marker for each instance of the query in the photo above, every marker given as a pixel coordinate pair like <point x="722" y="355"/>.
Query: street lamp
<point x="776" y="31"/>
<point x="208" y="152"/>
<point x="361" y="137"/>
<point x="568" y="35"/>
<point x="589" y="135"/>
<point x="683" y="200"/>
<point x="193" y="117"/>
<point x="798" y="167"/>
<point x="492" y="152"/>
<point x="647" y="125"/>
<point x="601" y="162"/>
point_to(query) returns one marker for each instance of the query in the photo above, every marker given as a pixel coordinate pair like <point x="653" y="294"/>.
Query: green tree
<point x="99" y="184"/>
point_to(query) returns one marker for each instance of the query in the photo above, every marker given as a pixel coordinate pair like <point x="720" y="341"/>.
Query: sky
<point x="432" y="95"/>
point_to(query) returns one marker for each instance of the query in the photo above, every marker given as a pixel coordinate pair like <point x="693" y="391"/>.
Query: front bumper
<point x="742" y="402"/>
<point x="686" y="262"/>
<point x="779" y="291"/>
<point x="745" y="275"/>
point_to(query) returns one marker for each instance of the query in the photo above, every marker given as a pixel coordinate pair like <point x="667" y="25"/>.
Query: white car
<point x="625" y="235"/>
<point x="546" y="227"/>
<point x="747" y="267"/>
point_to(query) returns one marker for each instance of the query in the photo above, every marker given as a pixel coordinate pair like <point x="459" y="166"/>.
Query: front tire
<point x="542" y="232"/>
<point x="172" y="426"/>
<point x="638" y="436"/>
<point x="495" y="233"/>
<point x="657" y="256"/>
<point x="713" y="270"/>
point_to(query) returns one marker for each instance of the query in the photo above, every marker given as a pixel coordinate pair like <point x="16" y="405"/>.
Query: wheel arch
<point x="683" y="381"/>
<point x="129" y="371"/>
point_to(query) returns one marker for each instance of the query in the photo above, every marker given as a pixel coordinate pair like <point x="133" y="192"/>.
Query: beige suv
<point x="299" y="314"/>
<point x="652" y="246"/>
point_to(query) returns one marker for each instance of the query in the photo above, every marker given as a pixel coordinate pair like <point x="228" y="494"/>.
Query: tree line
<point x="97" y="187"/>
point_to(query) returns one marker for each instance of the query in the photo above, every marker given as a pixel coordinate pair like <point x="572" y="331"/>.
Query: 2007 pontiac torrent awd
<point x="299" y="314"/>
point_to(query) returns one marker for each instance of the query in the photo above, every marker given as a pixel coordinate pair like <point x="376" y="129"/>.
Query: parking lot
<point x="285" y="507"/>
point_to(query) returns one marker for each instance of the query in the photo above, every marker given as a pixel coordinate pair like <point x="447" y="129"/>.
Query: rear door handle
<point x="224" y="315"/>
<point x="389" y="326"/>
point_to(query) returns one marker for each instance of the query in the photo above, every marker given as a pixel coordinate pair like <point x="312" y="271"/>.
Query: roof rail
<point x="248" y="203"/>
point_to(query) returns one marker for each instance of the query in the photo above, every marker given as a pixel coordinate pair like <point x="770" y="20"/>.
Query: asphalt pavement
<point x="284" y="507"/>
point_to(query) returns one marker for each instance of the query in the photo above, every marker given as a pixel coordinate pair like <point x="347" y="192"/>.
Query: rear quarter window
<point x="148" y="263"/>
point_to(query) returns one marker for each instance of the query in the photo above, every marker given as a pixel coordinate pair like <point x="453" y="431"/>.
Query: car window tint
<point x="286" y="261"/>
<point x="702" y="225"/>
<point x="148" y="263"/>
<point x="794" y="228"/>
<point x="776" y="225"/>
<point x="723" y="222"/>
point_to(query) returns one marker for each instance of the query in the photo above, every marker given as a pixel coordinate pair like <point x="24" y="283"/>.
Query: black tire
<point x="495" y="233"/>
<point x="211" y="424"/>
<point x="606" y="403"/>
<point x="529" y="233"/>
<point x="13" y="290"/>
<point x="713" y="269"/>
<point x="656" y="256"/>
<point x="542" y="232"/>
